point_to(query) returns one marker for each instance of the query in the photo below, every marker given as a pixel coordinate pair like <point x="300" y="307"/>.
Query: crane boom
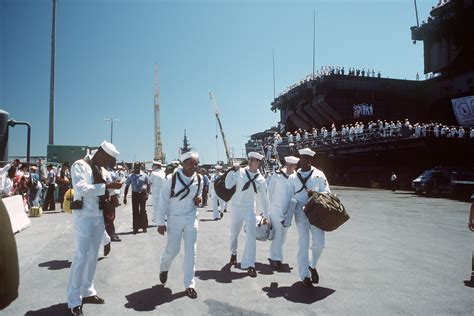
<point x="214" y="107"/>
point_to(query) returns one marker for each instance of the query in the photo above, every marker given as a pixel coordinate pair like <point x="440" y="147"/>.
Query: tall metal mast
<point x="159" y="155"/>
<point x="51" y="88"/>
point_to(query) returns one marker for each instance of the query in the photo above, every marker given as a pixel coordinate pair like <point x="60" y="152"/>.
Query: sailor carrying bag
<point x="325" y="211"/>
<point x="221" y="191"/>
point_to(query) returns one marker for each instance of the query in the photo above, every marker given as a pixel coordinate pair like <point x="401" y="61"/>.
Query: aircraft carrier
<point x="334" y="96"/>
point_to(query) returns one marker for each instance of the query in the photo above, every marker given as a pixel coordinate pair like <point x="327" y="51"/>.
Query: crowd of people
<point x="333" y="70"/>
<point x="42" y="185"/>
<point x="360" y="132"/>
<point x="177" y="191"/>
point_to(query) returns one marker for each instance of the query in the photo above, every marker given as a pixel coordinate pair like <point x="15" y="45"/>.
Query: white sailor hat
<point x="292" y="160"/>
<point x="255" y="155"/>
<point x="218" y="167"/>
<point x="307" y="152"/>
<point x="156" y="162"/>
<point x="189" y="154"/>
<point x="109" y="149"/>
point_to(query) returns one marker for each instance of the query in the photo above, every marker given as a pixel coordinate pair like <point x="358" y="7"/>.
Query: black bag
<point x="219" y="188"/>
<point x="325" y="211"/>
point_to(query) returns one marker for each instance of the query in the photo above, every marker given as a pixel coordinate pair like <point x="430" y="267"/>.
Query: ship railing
<point x="369" y="136"/>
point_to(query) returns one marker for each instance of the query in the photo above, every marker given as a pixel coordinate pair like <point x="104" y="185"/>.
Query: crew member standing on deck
<point x="179" y="198"/>
<point x="307" y="180"/>
<point x="248" y="181"/>
<point x="88" y="223"/>
<point x="140" y="189"/>
<point x="280" y="192"/>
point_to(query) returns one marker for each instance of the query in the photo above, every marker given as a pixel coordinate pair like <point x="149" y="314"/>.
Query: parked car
<point x="445" y="181"/>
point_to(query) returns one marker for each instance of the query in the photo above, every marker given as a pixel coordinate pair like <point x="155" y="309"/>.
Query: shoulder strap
<point x="282" y="173"/>
<point x="173" y="184"/>
<point x="199" y="186"/>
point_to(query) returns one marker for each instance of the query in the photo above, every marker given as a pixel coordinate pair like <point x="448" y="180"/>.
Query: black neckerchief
<point x="186" y="187"/>
<point x="282" y="173"/>
<point x="246" y="185"/>
<point x="97" y="175"/>
<point x="303" y="180"/>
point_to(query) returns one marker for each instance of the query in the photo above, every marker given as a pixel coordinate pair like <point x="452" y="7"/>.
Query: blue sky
<point x="106" y="50"/>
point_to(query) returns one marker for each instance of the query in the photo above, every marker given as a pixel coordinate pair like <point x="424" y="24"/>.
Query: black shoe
<point x="116" y="238"/>
<point x="225" y="210"/>
<point x="233" y="259"/>
<point x="163" y="277"/>
<point x="277" y="265"/>
<point x="135" y="231"/>
<point x="94" y="299"/>
<point x="107" y="249"/>
<point x="191" y="293"/>
<point x="144" y="230"/>
<point x="307" y="283"/>
<point x="77" y="311"/>
<point x="221" y="214"/>
<point x="252" y="272"/>
<point x="314" y="275"/>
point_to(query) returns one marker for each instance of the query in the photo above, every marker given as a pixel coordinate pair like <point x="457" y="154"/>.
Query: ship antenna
<point x="274" y="95"/>
<point x="416" y="12"/>
<point x="314" y="38"/>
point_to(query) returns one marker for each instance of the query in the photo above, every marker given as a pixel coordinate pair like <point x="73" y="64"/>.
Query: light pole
<point x="111" y="127"/>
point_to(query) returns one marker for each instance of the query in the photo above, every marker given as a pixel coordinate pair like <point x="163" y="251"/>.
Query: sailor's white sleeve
<point x="324" y="185"/>
<point x="163" y="202"/>
<point x="5" y="168"/>
<point x="231" y="179"/>
<point x="80" y="185"/>
<point x="265" y="201"/>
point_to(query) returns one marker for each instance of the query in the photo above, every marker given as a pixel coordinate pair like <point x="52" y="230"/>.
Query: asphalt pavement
<point x="398" y="254"/>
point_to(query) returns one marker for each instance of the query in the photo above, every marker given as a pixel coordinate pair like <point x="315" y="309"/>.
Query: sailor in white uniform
<point x="218" y="205"/>
<point x="88" y="224"/>
<point x="179" y="197"/>
<point x="249" y="182"/>
<point x="280" y="192"/>
<point x="157" y="176"/>
<point x="306" y="180"/>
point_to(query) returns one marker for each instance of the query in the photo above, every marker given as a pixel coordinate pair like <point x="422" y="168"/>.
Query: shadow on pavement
<point x="265" y="269"/>
<point x="149" y="299"/>
<point x="58" y="309"/>
<point x="56" y="264"/>
<point x="297" y="293"/>
<point x="469" y="283"/>
<point x="125" y="233"/>
<point x="224" y="275"/>
<point x="208" y="220"/>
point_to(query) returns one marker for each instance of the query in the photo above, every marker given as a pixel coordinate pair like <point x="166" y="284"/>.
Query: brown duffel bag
<point x="325" y="211"/>
<point x="221" y="191"/>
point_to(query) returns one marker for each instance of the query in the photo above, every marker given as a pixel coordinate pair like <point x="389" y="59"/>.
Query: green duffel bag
<point x="9" y="270"/>
<point x="221" y="191"/>
<point x="325" y="211"/>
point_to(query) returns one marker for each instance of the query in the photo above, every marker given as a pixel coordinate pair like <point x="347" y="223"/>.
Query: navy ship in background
<point x="332" y="98"/>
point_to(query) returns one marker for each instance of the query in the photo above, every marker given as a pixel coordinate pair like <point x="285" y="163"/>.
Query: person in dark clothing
<point x="140" y="189"/>
<point x="49" y="203"/>
<point x="64" y="182"/>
